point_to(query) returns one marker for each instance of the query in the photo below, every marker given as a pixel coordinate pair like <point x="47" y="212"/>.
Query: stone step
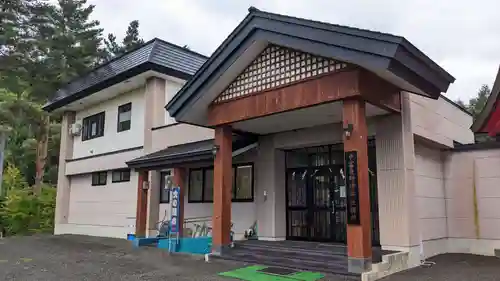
<point x="300" y="264"/>
<point x="327" y="257"/>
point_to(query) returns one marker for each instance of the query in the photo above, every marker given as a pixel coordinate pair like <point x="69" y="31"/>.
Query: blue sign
<point x="174" y="220"/>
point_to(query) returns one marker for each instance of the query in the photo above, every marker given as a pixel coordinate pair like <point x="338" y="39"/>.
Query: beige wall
<point x="399" y="222"/>
<point x="102" y="163"/>
<point x="63" y="182"/>
<point x="440" y="121"/>
<point x="429" y="192"/>
<point x="107" y="210"/>
<point x="179" y="134"/>
<point x="465" y="172"/>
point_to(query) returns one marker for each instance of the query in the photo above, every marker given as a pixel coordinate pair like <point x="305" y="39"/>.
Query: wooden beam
<point x="359" y="242"/>
<point x="142" y="205"/>
<point x="379" y="92"/>
<point x="327" y="88"/>
<point x="223" y="171"/>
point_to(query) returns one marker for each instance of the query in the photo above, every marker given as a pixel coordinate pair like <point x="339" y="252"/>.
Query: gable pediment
<point x="277" y="67"/>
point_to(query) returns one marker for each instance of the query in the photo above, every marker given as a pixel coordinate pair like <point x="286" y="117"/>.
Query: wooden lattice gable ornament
<point x="276" y="67"/>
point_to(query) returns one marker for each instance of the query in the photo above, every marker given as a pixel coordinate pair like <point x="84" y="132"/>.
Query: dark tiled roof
<point x="476" y="146"/>
<point x="156" y="55"/>
<point x="391" y="55"/>
<point x="184" y="153"/>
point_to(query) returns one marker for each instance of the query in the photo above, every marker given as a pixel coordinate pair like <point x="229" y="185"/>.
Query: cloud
<point x="459" y="35"/>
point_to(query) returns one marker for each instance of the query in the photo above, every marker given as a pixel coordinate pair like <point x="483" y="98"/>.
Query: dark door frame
<point x="373" y="192"/>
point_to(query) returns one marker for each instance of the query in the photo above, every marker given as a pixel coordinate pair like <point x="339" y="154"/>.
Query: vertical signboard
<point x="351" y="166"/>
<point x="174" y="220"/>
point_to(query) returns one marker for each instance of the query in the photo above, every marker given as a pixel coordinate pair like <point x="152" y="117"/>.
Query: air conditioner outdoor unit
<point x="75" y="129"/>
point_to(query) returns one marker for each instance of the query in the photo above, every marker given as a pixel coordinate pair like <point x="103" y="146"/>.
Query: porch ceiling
<point x="390" y="57"/>
<point x="302" y="118"/>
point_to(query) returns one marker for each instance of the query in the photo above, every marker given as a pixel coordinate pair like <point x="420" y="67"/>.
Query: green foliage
<point x="44" y="44"/>
<point x="477" y="103"/>
<point x="23" y="213"/>
<point x="13" y="179"/>
<point x="131" y="41"/>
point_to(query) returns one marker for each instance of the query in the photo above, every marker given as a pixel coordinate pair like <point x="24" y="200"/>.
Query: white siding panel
<point x="112" y="139"/>
<point x="111" y="206"/>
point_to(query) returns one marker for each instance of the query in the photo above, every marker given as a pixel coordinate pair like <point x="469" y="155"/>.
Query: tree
<point x="131" y="41"/>
<point x="477" y="103"/>
<point x="70" y="43"/>
<point x="18" y="19"/>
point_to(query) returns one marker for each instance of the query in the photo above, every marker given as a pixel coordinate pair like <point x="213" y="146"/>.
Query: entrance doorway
<point x="316" y="194"/>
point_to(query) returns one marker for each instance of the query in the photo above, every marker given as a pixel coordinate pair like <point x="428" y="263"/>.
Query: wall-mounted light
<point x="215" y="149"/>
<point x="348" y="130"/>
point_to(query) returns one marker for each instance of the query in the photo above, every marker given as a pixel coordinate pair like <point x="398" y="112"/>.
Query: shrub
<point x="21" y="211"/>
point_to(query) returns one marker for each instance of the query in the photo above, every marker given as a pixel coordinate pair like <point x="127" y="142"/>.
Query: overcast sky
<point x="462" y="36"/>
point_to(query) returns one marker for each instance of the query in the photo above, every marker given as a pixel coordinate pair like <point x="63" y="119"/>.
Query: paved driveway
<point x="50" y="258"/>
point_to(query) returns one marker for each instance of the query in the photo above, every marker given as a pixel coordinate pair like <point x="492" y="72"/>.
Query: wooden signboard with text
<point x="351" y="167"/>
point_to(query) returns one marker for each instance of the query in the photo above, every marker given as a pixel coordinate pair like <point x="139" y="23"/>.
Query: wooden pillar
<point x="359" y="242"/>
<point x="179" y="180"/>
<point x="221" y="221"/>
<point x="142" y="205"/>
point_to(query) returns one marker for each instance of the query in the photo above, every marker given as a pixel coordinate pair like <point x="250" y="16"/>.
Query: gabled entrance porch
<point x="283" y="78"/>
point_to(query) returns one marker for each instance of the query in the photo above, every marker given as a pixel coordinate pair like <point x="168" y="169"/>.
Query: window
<point x="201" y="184"/>
<point x="93" y="126"/>
<point x="120" y="175"/>
<point x="165" y="185"/>
<point x="124" y="116"/>
<point x="196" y="186"/>
<point x="99" y="178"/>
<point x="243" y="183"/>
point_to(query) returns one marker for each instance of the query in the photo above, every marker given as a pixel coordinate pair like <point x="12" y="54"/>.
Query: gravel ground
<point x="51" y="258"/>
<point x="453" y="267"/>
<point x="70" y="257"/>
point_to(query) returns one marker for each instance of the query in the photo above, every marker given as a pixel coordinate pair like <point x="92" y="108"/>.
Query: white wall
<point x="107" y="210"/>
<point x="113" y="140"/>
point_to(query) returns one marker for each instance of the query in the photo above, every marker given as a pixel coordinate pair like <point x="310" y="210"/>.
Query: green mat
<point x="251" y="273"/>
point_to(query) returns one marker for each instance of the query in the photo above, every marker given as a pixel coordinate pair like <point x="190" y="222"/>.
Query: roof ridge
<point x="253" y="10"/>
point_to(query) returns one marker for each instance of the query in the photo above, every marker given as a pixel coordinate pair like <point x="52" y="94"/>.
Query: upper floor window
<point x="124" y="117"/>
<point x="93" y="126"/>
